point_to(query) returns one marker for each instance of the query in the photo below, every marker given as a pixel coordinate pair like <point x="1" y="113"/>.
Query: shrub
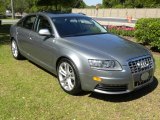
<point x="148" y="31"/>
<point x="154" y="34"/>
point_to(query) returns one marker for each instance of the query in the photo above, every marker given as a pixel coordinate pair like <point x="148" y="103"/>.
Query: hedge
<point x="148" y="31"/>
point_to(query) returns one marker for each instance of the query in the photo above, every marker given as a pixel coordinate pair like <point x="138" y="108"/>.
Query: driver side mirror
<point x="44" y="32"/>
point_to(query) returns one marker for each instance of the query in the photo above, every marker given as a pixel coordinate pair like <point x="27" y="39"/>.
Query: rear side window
<point x="20" y="23"/>
<point x="29" y="22"/>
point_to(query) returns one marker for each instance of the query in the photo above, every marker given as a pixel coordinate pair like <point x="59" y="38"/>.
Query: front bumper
<point x="115" y="82"/>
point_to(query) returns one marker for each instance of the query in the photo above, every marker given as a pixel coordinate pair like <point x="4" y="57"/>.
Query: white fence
<point x="121" y="13"/>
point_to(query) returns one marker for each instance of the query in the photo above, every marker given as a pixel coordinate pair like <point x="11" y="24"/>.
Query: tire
<point x="68" y="77"/>
<point x="15" y="51"/>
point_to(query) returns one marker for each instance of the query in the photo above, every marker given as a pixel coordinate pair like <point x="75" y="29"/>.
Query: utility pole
<point x="12" y="7"/>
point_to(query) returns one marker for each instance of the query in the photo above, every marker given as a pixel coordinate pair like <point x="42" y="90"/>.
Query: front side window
<point x="77" y="26"/>
<point x="43" y="23"/>
<point x="29" y="22"/>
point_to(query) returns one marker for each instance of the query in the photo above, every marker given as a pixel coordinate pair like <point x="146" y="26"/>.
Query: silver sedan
<point x="82" y="53"/>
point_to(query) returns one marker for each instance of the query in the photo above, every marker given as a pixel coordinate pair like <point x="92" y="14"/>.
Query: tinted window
<point x="20" y="23"/>
<point x="43" y="23"/>
<point x="29" y="22"/>
<point x="75" y="26"/>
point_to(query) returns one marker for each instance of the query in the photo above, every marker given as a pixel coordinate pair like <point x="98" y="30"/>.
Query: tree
<point x="58" y="4"/>
<point x="20" y="5"/>
<point x="32" y="6"/>
<point x="80" y="4"/>
<point x="110" y="3"/>
<point x="131" y="3"/>
<point x="106" y="4"/>
<point x="2" y="7"/>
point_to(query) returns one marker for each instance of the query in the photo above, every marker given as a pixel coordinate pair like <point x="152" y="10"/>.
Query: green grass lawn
<point x="27" y="92"/>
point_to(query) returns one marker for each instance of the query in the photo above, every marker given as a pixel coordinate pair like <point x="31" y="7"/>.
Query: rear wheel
<point x="68" y="77"/>
<point x="15" y="51"/>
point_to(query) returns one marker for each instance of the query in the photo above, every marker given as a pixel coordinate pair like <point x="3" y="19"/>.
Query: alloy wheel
<point x="66" y="76"/>
<point x="14" y="49"/>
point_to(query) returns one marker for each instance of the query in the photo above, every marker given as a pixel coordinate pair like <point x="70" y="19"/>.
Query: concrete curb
<point x="9" y="21"/>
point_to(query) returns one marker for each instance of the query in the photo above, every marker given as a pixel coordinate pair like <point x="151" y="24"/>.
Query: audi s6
<point x="81" y="53"/>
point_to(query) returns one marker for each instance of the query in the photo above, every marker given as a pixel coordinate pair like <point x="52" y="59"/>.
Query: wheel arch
<point x="63" y="57"/>
<point x="75" y="61"/>
<point x="78" y="60"/>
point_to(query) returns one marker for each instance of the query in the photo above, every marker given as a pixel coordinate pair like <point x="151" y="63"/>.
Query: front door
<point x="43" y="47"/>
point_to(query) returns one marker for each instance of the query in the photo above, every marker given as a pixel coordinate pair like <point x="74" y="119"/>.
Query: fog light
<point x="97" y="78"/>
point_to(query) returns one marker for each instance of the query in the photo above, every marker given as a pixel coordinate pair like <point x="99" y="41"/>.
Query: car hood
<point x="112" y="45"/>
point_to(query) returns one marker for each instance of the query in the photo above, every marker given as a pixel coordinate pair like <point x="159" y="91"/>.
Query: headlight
<point x="105" y="64"/>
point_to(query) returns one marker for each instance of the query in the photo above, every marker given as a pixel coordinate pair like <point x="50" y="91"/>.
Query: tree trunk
<point x="12" y="7"/>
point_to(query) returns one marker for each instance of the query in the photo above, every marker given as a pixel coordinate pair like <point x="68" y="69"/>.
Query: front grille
<point x="140" y="64"/>
<point x="111" y="88"/>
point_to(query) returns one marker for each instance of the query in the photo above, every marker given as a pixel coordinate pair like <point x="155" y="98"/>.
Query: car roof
<point x="59" y="14"/>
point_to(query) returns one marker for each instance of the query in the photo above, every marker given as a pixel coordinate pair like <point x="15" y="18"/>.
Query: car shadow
<point x="129" y="96"/>
<point x="4" y="34"/>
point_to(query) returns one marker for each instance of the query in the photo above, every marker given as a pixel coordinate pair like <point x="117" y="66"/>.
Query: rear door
<point x="23" y="32"/>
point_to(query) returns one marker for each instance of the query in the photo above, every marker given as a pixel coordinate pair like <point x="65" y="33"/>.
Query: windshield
<point x="77" y="26"/>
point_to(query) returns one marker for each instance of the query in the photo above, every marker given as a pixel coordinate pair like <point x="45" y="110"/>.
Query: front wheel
<point x="68" y="77"/>
<point x="15" y="51"/>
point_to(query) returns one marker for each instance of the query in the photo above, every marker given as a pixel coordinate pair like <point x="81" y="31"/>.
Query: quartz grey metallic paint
<point x="47" y="51"/>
